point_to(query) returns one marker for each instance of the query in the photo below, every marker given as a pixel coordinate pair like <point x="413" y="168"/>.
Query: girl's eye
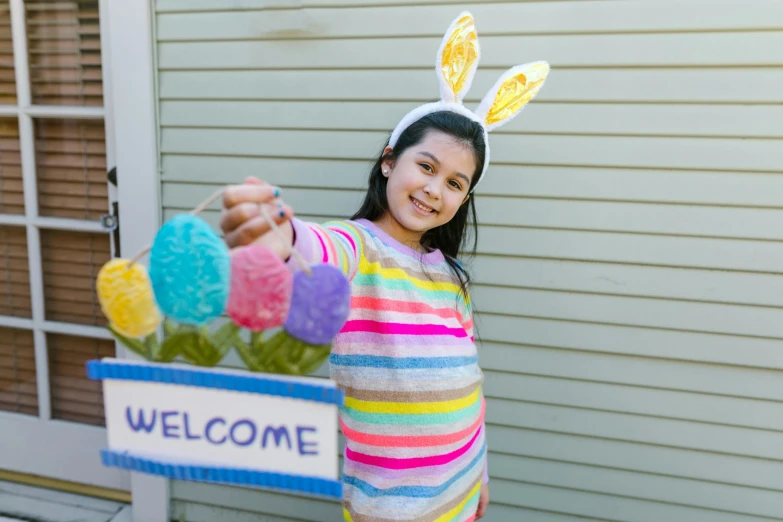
<point x="426" y="167"/>
<point x="455" y="184"/>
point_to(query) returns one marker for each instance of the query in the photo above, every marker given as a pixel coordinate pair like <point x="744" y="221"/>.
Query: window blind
<point x="74" y="397"/>
<point x="71" y="261"/>
<point x="64" y="49"/>
<point x="7" y="77"/>
<point x="14" y="273"/>
<point x="71" y="168"/>
<point x="18" y="392"/>
<point x="11" y="188"/>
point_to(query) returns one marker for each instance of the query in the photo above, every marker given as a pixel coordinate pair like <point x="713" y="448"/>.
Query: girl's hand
<point x="242" y="222"/>
<point x="483" y="501"/>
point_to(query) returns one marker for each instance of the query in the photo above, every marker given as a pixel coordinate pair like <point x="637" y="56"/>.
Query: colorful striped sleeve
<point x="338" y="243"/>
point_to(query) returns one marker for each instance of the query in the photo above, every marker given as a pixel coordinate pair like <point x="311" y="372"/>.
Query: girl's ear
<point x="388" y="163"/>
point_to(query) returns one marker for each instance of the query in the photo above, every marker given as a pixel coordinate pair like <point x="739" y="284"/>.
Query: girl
<point x="413" y="417"/>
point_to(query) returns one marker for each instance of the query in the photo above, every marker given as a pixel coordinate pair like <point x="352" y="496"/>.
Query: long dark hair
<point x="453" y="237"/>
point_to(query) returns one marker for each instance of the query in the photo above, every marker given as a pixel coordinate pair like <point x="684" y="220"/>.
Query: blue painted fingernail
<point x="282" y="213"/>
<point x="277" y="192"/>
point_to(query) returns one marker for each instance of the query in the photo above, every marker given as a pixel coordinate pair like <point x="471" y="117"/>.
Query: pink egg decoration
<point x="261" y="288"/>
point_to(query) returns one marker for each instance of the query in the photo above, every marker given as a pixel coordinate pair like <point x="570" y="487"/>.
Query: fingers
<point x="252" y="180"/>
<point x="251" y="224"/>
<point x="233" y="218"/>
<point x="240" y="202"/>
<point x="253" y="192"/>
<point x="237" y="215"/>
<point x="241" y="220"/>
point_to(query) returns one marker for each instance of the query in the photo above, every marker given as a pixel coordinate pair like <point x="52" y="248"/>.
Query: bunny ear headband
<point x="457" y="61"/>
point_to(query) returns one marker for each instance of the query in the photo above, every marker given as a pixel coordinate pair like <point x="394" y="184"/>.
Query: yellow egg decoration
<point x="127" y="300"/>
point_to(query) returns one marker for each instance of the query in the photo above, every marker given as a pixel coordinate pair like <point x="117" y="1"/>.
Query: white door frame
<point x="134" y="106"/>
<point x="42" y="445"/>
<point x="36" y="445"/>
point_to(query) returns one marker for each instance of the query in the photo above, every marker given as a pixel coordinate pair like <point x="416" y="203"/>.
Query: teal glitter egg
<point x="190" y="270"/>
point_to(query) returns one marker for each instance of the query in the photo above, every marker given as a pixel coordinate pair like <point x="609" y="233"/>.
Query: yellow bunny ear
<point x="458" y="58"/>
<point x="511" y="93"/>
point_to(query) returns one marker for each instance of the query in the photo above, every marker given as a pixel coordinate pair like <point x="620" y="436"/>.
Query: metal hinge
<point x="109" y="222"/>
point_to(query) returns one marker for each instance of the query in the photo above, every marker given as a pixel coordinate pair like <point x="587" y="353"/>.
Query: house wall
<point x="628" y="277"/>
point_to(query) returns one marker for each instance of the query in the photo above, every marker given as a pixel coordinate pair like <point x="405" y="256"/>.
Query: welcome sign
<point x="224" y="426"/>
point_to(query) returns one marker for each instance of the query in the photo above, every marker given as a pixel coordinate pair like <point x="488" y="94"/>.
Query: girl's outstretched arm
<point x="337" y="243"/>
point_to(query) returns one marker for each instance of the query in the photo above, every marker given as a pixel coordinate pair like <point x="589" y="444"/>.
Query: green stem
<point x="246" y="354"/>
<point x="257" y="342"/>
<point x="152" y="346"/>
<point x="169" y="328"/>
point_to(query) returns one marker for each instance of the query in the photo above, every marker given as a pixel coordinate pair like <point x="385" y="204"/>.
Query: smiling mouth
<point x="422" y="207"/>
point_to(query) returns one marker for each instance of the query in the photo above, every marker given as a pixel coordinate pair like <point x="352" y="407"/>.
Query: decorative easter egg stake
<point x="190" y="268"/>
<point x="319" y="305"/>
<point x="194" y="279"/>
<point x="319" y="308"/>
<point x="126" y="299"/>
<point x="260" y="289"/>
<point x="164" y="419"/>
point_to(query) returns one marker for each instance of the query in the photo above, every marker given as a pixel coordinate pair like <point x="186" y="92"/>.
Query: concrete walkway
<point x="20" y="503"/>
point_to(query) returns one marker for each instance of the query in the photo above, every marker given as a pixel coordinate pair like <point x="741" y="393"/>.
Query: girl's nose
<point x="432" y="191"/>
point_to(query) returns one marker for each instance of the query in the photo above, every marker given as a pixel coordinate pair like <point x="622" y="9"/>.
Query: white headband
<point x="457" y="61"/>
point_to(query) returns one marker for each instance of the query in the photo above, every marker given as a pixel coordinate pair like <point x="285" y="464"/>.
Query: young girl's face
<point x="429" y="182"/>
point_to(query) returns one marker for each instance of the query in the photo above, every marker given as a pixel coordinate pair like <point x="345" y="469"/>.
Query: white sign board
<point x="221" y="425"/>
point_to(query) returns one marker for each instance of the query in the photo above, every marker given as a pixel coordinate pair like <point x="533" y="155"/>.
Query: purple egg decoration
<point x="320" y="303"/>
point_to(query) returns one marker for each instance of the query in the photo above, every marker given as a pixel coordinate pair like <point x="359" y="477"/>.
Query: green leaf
<point x="198" y="350"/>
<point x="133" y="345"/>
<point x="186" y="345"/>
<point x="220" y="343"/>
<point x="315" y="358"/>
<point x="246" y="354"/>
<point x="171" y="347"/>
<point x="298" y="351"/>
<point x="273" y="346"/>
<point x="225" y="333"/>
<point x="224" y="338"/>
<point x="284" y="360"/>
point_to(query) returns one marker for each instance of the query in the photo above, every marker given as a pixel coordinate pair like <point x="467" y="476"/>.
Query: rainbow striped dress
<point x="413" y="418"/>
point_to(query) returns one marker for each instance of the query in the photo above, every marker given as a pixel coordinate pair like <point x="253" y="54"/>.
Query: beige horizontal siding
<point x="182" y="19"/>
<point x="541" y="118"/>
<point x="537" y="181"/>
<point x="638" y="50"/>
<point x="659" y="250"/>
<point x="607" y="151"/>
<point x="630" y="269"/>
<point x="615" y="216"/>
<point x="610" y="85"/>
